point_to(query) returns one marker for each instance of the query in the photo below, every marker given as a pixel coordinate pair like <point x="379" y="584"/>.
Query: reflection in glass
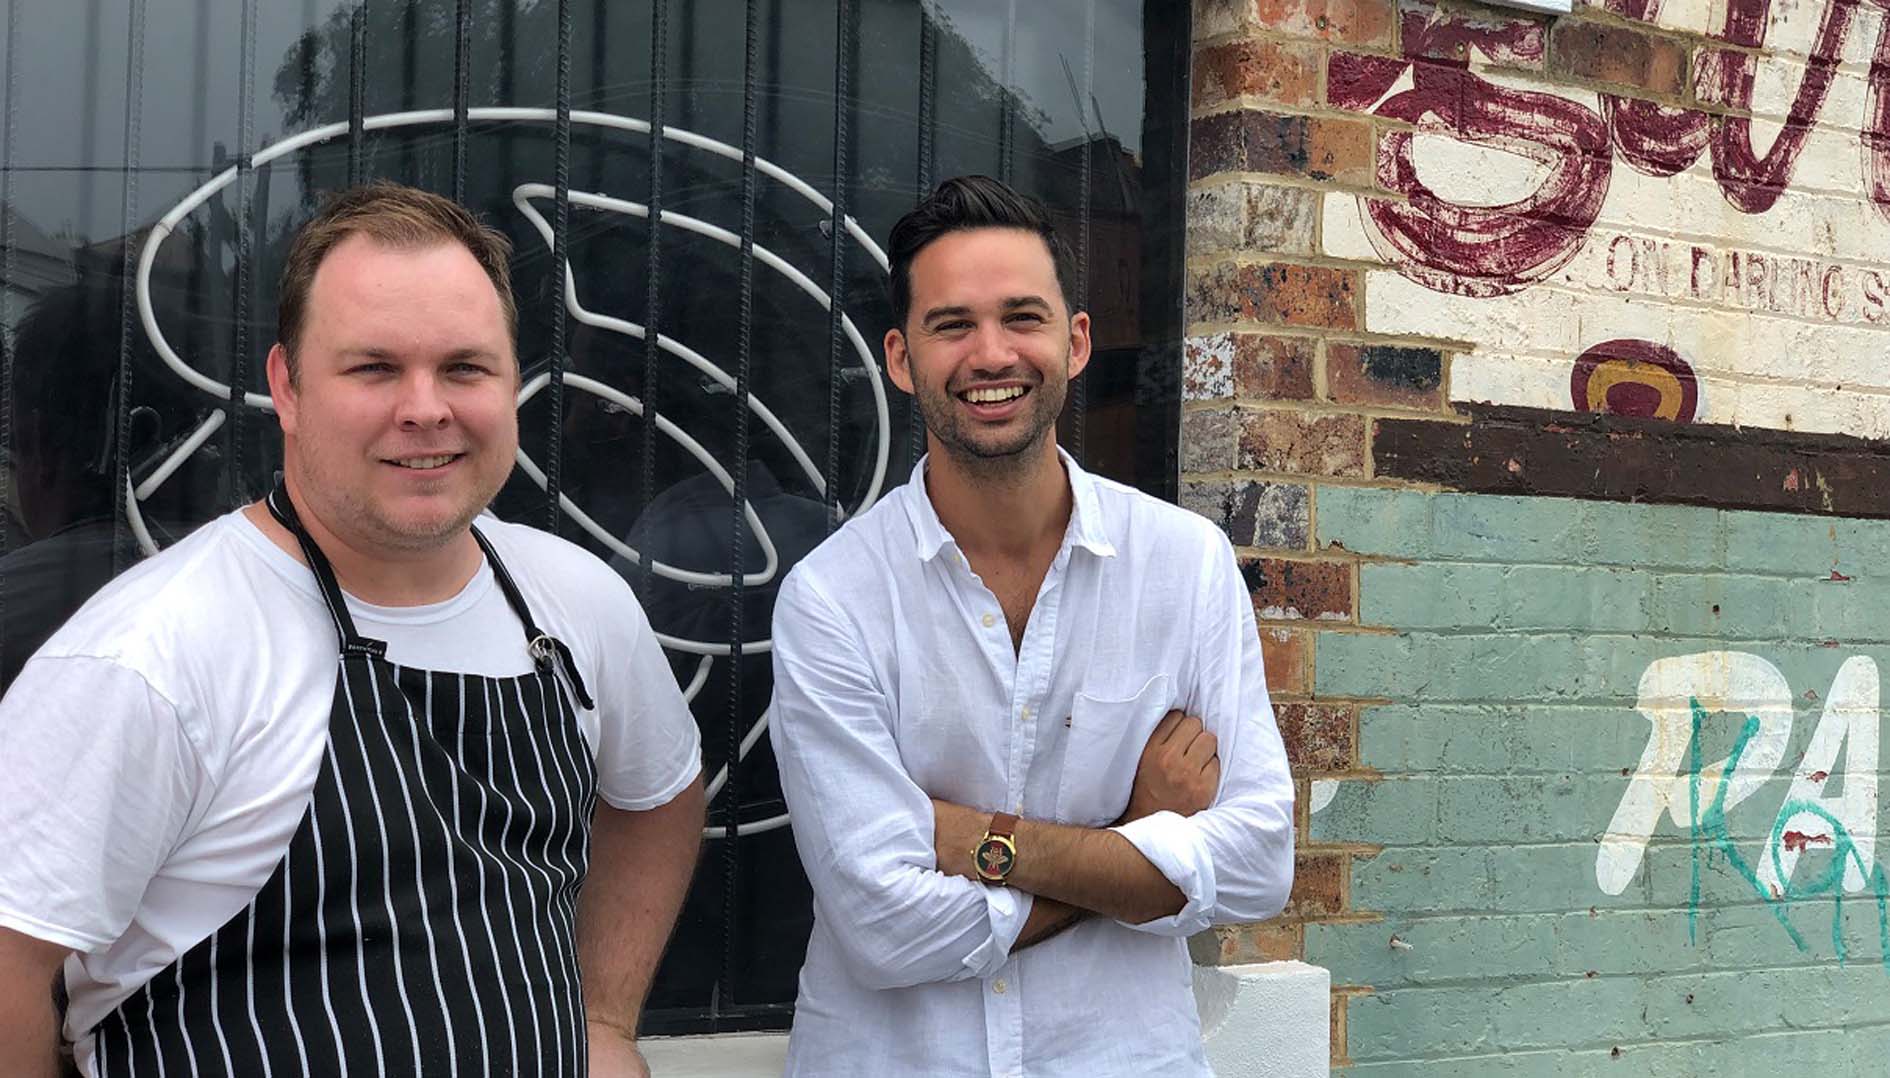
<point x="1075" y="101"/>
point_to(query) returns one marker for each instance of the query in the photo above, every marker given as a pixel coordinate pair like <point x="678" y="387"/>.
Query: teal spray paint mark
<point x="1711" y="829"/>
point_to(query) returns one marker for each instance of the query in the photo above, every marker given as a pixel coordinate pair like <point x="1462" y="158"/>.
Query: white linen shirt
<point x="896" y="682"/>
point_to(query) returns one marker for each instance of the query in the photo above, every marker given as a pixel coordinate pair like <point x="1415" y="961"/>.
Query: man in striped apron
<point x="314" y="791"/>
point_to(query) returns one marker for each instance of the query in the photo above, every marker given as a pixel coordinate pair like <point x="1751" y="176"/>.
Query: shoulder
<point x="1143" y="526"/>
<point x="187" y="599"/>
<point x="572" y="593"/>
<point x="854" y="560"/>
<point x="540" y="560"/>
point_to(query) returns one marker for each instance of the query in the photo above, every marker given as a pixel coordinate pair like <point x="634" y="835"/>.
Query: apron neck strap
<point x="352" y="642"/>
<point x="544" y="648"/>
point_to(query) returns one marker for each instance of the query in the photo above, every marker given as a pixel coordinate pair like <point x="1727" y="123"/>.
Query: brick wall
<point x="1537" y="367"/>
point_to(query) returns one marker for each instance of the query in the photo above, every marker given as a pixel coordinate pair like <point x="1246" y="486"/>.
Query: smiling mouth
<point x="425" y="463"/>
<point x="992" y="395"/>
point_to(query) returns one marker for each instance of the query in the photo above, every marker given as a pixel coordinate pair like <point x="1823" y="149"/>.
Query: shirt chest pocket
<point x="1105" y="743"/>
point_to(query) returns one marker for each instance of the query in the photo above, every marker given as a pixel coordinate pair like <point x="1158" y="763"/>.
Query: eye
<point x="1027" y="318"/>
<point x="373" y="366"/>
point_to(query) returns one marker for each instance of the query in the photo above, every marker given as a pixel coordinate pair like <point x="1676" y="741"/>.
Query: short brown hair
<point x="397" y="216"/>
<point x="961" y="204"/>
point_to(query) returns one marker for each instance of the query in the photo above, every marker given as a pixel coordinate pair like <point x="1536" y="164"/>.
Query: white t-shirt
<point x="158" y="753"/>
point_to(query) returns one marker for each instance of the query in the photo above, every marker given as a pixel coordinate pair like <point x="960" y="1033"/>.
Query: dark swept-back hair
<point x="393" y="215"/>
<point x="960" y="204"/>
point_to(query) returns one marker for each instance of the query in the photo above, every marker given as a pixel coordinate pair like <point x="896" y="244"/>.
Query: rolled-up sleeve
<point x="862" y="826"/>
<point x="1232" y="862"/>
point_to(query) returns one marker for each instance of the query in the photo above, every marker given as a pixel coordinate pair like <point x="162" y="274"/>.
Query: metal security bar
<point x="701" y="287"/>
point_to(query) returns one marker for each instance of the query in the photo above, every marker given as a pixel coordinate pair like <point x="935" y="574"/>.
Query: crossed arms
<point x="891" y="866"/>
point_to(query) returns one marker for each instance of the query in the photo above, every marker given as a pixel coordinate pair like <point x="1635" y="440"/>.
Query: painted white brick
<point x="1799" y="343"/>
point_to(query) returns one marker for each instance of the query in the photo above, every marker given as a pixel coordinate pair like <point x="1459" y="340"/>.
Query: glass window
<point x="158" y="154"/>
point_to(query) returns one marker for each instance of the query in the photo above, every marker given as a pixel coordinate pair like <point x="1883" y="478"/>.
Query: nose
<point x="992" y="349"/>
<point x="422" y="405"/>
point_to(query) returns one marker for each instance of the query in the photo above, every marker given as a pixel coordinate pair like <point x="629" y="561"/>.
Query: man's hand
<point x="614" y="1052"/>
<point x="1180" y="770"/>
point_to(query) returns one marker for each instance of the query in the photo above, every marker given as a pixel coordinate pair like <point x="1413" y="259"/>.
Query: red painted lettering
<point x="1833" y="285"/>
<point x="1622" y="263"/>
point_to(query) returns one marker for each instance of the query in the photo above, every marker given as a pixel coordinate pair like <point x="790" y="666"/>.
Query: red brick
<point x="1269" y="941"/>
<point x="1618" y="54"/>
<point x="1281" y="72"/>
<point x="1341" y="150"/>
<point x="1292" y="295"/>
<point x="1385" y="376"/>
<point x="1318" y="883"/>
<point x="1283" y="653"/>
<point x="1351" y="22"/>
<point x="1290" y="590"/>
<point x="1300" y="443"/>
<point x="1319" y="737"/>
<point x="1275" y="368"/>
<point x="1253" y="140"/>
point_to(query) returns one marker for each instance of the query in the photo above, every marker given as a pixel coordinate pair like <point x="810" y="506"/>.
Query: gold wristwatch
<point x="995" y="855"/>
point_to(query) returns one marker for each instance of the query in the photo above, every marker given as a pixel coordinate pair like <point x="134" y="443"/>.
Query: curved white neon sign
<point x="524" y="197"/>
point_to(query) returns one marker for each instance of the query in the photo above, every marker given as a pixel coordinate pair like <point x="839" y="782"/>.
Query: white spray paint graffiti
<point x="1744" y="684"/>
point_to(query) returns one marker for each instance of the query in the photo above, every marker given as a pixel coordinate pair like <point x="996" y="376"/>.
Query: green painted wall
<point x="1502" y="662"/>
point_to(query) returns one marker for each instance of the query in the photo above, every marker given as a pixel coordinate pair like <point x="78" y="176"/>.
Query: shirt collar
<point x="1086" y="522"/>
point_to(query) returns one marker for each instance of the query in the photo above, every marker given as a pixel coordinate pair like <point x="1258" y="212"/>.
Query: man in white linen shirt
<point x="997" y="658"/>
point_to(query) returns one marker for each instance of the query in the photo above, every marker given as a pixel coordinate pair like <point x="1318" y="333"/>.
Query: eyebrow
<point x="450" y="357"/>
<point x="1010" y="303"/>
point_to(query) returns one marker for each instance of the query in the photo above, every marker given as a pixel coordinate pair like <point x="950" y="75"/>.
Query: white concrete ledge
<point x="1269" y="1019"/>
<point x="724" y="1055"/>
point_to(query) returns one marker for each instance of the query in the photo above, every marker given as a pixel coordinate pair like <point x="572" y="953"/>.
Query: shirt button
<point x="1024" y="713"/>
<point x="998" y="986"/>
<point x="989" y="621"/>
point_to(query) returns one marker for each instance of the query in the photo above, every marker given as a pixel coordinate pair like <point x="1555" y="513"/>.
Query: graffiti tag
<point x="1678" y="695"/>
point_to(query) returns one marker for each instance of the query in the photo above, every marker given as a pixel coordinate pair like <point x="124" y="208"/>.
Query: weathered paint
<point x="1551" y="227"/>
<point x="1626" y="787"/>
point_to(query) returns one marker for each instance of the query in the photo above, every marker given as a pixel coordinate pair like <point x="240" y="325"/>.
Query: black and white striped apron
<point x="424" y="918"/>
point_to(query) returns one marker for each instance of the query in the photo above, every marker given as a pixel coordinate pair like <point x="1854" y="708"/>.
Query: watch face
<point x="995" y="858"/>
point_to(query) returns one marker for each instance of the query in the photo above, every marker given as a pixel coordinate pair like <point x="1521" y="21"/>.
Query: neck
<point x="381" y="578"/>
<point x="1008" y="510"/>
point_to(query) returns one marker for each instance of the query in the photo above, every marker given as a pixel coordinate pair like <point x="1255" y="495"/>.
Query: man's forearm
<point x="1095" y="870"/>
<point x="29" y="1027"/>
<point x="1092" y="869"/>
<point x="641" y="863"/>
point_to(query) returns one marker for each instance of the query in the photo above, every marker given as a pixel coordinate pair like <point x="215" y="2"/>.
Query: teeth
<point x="425" y="462"/>
<point x="991" y="396"/>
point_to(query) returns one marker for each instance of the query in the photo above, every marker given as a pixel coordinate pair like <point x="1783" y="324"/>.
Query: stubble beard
<point x="987" y="461"/>
<point x="357" y="519"/>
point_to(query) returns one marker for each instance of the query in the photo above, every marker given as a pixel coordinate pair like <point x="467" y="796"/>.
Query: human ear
<point x="898" y="362"/>
<point x="1079" y="342"/>
<point x="282" y="388"/>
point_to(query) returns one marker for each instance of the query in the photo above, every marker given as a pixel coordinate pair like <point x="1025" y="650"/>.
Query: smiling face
<point x="401" y="423"/>
<point x="989" y="347"/>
